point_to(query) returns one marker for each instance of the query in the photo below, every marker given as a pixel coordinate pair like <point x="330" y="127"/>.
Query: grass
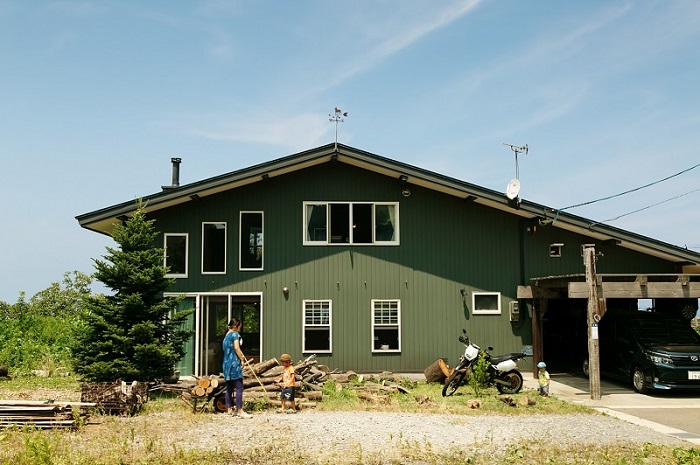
<point x="147" y="437"/>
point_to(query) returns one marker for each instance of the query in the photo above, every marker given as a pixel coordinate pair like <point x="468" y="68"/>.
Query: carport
<point x="559" y="307"/>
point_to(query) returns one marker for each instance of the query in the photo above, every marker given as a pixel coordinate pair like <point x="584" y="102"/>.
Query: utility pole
<point x="593" y="318"/>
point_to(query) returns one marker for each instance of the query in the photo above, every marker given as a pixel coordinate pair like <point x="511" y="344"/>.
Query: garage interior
<point x="559" y="309"/>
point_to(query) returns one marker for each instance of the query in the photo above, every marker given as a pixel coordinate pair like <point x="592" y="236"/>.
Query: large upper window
<point x="486" y="303"/>
<point x="175" y="255"/>
<point x="213" y="248"/>
<point x="251" y="241"/>
<point x="386" y="325"/>
<point x="317" y="326"/>
<point x="360" y="223"/>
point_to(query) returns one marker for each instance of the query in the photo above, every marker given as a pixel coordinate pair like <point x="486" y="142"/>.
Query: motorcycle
<point x="502" y="369"/>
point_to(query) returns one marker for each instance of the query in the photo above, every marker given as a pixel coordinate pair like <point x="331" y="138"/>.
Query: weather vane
<point x="338" y="116"/>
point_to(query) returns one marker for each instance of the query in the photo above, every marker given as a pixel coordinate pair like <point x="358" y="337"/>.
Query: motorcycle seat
<point x="501" y="358"/>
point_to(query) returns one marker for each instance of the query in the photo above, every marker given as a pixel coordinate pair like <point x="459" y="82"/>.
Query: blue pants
<point x="237" y="385"/>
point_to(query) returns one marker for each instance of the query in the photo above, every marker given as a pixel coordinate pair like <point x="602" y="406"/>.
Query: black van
<point x="650" y="350"/>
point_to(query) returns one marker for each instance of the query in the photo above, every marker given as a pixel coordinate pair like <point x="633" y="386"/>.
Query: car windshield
<point x="666" y="332"/>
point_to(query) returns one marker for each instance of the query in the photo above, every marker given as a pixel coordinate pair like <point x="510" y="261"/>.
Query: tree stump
<point x="437" y="372"/>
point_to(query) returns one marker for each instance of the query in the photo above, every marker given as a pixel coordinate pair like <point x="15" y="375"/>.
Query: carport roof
<point x="621" y="286"/>
<point x="103" y="220"/>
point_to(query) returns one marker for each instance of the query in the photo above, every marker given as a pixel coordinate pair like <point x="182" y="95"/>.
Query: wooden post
<point x="539" y="308"/>
<point x="593" y="319"/>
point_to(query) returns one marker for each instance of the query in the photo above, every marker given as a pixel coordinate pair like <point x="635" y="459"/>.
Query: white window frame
<point x="240" y="240"/>
<point x="477" y="311"/>
<point x="396" y="325"/>
<point x="327" y="204"/>
<point x="187" y="254"/>
<point x="306" y="325"/>
<point x="204" y="223"/>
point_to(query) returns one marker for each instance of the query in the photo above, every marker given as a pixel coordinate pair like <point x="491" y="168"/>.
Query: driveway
<point x="672" y="413"/>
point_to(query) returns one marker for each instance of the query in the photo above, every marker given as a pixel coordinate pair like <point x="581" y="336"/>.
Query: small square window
<point x="555" y="250"/>
<point x="486" y="303"/>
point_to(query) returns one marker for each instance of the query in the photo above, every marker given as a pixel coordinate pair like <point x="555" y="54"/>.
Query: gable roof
<point x="102" y="220"/>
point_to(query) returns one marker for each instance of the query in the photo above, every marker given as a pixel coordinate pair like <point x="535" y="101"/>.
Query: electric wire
<point x="644" y="208"/>
<point x="556" y="216"/>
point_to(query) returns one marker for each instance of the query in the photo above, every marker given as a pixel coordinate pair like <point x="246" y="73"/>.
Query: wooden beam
<point x="637" y="290"/>
<point x="537" y="292"/>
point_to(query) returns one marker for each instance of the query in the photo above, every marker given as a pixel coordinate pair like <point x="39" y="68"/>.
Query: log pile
<point x="118" y="397"/>
<point x="260" y="382"/>
<point x="43" y="415"/>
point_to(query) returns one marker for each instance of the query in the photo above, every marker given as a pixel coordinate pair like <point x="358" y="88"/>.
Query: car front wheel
<point x="638" y="381"/>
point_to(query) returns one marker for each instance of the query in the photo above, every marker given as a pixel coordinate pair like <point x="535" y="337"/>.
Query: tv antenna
<point x="514" y="185"/>
<point x="338" y="116"/>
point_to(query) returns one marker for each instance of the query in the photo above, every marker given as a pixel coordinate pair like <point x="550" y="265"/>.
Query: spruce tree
<point x="134" y="334"/>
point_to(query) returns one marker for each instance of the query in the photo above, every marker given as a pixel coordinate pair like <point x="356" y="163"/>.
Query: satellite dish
<point x="513" y="189"/>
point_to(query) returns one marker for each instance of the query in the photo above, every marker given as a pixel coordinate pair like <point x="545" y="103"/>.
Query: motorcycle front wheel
<point x="513" y="382"/>
<point x="453" y="382"/>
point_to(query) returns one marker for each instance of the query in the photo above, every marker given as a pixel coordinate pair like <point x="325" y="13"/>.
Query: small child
<point x="543" y="379"/>
<point x="288" y="382"/>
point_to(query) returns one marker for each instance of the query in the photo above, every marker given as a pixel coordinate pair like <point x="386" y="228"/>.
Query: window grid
<point x="316" y="333"/>
<point x="386" y="326"/>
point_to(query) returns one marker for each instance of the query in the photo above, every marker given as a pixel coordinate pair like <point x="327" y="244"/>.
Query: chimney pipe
<point x="176" y="171"/>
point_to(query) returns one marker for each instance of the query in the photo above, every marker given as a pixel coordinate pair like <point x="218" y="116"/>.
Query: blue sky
<point x="97" y="96"/>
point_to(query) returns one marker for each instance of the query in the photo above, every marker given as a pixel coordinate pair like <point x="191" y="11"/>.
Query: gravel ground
<point x="324" y="434"/>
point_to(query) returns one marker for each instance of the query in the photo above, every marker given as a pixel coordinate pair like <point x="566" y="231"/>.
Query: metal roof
<point x="104" y="219"/>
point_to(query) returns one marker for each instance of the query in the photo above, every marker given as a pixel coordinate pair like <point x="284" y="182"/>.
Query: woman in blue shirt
<point x="233" y="368"/>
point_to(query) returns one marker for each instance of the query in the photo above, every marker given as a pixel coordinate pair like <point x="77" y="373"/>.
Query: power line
<point x="627" y="192"/>
<point x="644" y="208"/>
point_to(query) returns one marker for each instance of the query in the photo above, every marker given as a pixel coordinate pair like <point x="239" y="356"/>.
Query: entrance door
<point x="213" y="314"/>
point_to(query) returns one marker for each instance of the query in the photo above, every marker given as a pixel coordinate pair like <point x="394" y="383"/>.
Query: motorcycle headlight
<point x="659" y="358"/>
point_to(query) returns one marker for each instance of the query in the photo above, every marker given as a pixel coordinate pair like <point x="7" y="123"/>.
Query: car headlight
<point x="659" y="359"/>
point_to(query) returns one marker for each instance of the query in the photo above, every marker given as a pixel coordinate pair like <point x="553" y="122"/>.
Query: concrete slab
<point x="669" y="409"/>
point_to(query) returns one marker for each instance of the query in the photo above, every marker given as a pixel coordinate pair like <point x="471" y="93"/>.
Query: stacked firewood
<point x="260" y="382"/>
<point x="118" y="397"/>
<point x="43" y="415"/>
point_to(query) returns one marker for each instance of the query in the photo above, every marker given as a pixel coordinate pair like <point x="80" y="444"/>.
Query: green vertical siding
<point x="447" y="244"/>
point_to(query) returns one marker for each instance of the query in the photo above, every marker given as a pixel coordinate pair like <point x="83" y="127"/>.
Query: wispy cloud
<point x="295" y="132"/>
<point x="411" y="32"/>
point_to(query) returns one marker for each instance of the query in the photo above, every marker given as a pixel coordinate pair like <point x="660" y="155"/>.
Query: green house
<point x="371" y="264"/>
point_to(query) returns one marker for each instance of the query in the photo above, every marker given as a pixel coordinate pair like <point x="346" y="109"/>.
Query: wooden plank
<point x="537" y="292"/>
<point x="635" y="290"/>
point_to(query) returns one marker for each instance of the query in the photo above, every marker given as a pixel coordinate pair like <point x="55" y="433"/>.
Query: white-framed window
<point x="555" y="250"/>
<point x="251" y="238"/>
<point x="213" y="248"/>
<point x="317" y="335"/>
<point x="486" y="303"/>
<point x="386" y="325"/>
<point x="346" y="223"/>
<point x="175" y="254"/>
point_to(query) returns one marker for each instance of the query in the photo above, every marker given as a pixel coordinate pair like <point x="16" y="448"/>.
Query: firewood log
<point x="204" y="382"/>
<point x="437" y="372"/>
<point x="375" y="399"/>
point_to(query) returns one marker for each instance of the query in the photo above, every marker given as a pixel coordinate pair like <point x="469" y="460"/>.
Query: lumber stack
<point x="43" y="415"/>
